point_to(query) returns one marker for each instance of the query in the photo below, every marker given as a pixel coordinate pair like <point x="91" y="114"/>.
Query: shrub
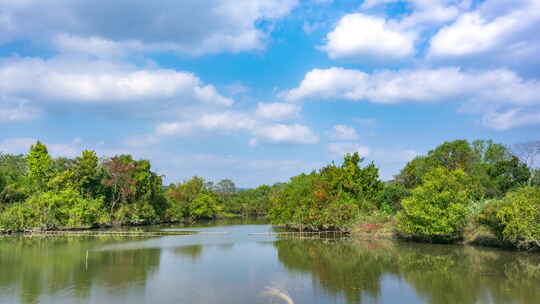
<point x="136" y="213"/>
<point x="17" y="217"/>
<point x="12" y="194"/>
<point x="437" y="209"/>
<point x="516" y="218"/>
<point x="53" y="209"/>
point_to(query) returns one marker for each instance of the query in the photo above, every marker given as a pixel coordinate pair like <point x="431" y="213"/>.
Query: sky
<point x="261" y="90"/>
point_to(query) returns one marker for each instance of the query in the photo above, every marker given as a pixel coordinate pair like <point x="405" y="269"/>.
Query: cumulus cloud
<point x="344" y="133"/>
<point x="100" y="82"/>
<point x="113" y="27"/>
<point x="342" y="148"/>
<point x="482" y="90"/>
<point x="231" y="121"/>
<point x="421" y="85"/>
<point x="494" y="31"/>
<point x="277" y="111"/>
<point x="281" y="133"/>
<point x="357" y="36"/>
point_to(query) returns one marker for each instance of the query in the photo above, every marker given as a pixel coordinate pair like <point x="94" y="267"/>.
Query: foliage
<point x="434" y="195"/>
<point x="52" y="210"/>
<point x="39" y="166"/>
<point x="493" y="168"/>
<point x="437" y="210"/>
<point x="203" y="206"/>
<point x="193" y="198"/>
<point x="17" y="217"/>
<point x="515" y="218"/>
<point x="13" y="168"/>
<point x="389" y="199"/>
<point x="328" y="199"/>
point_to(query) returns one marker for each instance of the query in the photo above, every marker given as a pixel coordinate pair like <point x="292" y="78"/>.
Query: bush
<point x="12" y="194"/>
<point x="17" y="217"/>
<point x="136" y="213"/>
<point x="516" y="218"/>
<point x="52" y="210"/>
<point x="437" y="210"/>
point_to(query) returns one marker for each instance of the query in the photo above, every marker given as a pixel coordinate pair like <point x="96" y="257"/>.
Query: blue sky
<point x="261" y="90"/>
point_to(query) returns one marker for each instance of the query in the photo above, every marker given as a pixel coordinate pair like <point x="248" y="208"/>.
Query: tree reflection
<point x="46" y="266"/>
<point x="439" y="274"/>
<point x="193" y="252"/>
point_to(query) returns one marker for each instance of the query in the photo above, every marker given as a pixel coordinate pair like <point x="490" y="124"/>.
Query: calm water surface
<point x="236" y="267"/>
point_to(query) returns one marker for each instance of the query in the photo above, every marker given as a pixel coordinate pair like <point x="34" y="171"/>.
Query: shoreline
<point x="362" y="231"/>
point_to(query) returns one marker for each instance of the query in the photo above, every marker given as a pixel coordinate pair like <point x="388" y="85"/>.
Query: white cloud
<point x="97" y="81"/>
<point x="231" y="121"/>
<point x="495" y="32"/>
<point x="326" y="83"/>
<point x="277" y="111"/>
<point x="357" y="36"/>
<point x="470" y="34"/>
<point x="281" y="133"/>
<point x="175" y="129"/>
<point x="344" y="133"/>
<point x="504" y="120"/>
<point x="421" y="85"/>
<point x="342" y="148"/>
<point x="477" y="90"/>
<point x="228" y="121"/>
<point x="116" y="27"/>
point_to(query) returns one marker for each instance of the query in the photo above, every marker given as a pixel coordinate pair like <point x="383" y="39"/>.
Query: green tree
<point x="515" y="219"/>
<point x="203" y="206"/>
<point x="88" y="174"/>
<point x="437" y="210"/>
<point x="192" y="198"/>
<point x="39" y="166"/>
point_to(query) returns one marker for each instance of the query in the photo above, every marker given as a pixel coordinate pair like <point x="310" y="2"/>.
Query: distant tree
<point x="529" y="153"/>
<point x="193" y="198"/>
<point x="509" y="174"/>
<point x="225" y="189"/>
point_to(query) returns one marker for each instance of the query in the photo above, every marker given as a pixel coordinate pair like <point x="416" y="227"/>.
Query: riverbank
<point x="381" y="227"/>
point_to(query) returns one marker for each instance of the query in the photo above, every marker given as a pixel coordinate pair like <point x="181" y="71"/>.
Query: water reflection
<point x="237" y="268"/>
<point x="60" y="265"/>
<point x="437" y="273"/>
<point x="191" y="251"/>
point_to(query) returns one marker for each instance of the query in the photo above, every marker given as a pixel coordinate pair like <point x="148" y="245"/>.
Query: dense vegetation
<point x="436" y="197"/>
<point x="38" y="191"/>
<point x="457" y="186"/>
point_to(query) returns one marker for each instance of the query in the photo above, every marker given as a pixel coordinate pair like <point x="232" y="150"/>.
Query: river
<point x="238" y="262"/>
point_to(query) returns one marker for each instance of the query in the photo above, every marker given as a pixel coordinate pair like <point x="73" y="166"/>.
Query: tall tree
<point x="39" y="166"/>
<point x="120" y="171"/>
<point x="86" y="172"/>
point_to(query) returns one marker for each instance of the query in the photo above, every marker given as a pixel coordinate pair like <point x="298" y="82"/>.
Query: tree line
<point x="434" y="198"/>
<point x="38" y="191"/>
